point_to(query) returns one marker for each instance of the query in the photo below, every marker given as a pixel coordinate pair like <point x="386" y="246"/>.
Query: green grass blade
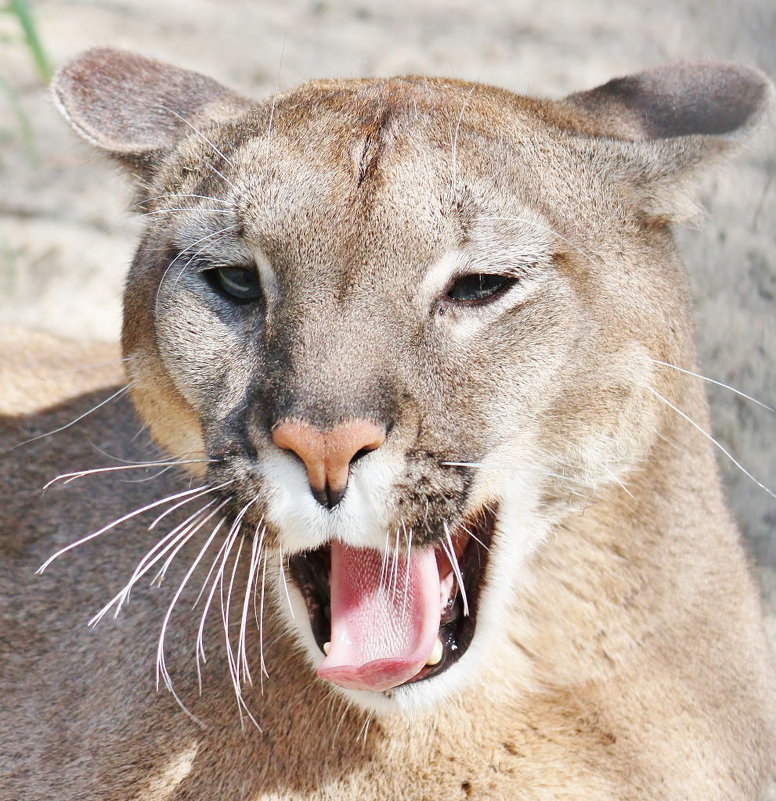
<point x="24" y="14"/>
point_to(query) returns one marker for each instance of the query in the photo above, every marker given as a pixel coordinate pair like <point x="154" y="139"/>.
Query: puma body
<point x="612" y="644"/>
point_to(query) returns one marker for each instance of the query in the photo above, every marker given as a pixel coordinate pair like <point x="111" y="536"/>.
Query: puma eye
<point x="239" y="283"/>
<point x="479" y="287"/>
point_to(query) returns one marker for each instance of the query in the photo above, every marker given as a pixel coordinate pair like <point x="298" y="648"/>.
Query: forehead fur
<point x="367" y="119"/>
<point x="651" y="131"/>
<point x="409" y="153"/>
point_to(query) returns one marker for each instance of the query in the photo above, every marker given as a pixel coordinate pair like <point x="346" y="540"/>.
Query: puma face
<point x="409" y="323"/>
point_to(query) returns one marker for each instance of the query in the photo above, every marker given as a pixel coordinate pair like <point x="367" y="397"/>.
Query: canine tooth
<point x="326" y="648"/>
<point x="437" y="653"/>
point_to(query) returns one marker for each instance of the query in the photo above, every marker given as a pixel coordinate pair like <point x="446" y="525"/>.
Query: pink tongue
<point x="384" y="619"/>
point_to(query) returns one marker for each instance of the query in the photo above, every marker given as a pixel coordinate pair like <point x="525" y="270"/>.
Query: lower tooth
<point x="436" y="653"/>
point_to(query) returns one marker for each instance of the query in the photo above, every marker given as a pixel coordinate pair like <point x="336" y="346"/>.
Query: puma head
<point x="409" y="323"/>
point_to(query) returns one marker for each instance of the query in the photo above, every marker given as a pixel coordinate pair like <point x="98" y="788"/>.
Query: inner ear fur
<point x="661" y="126"/>
<point x="134" y="107"/>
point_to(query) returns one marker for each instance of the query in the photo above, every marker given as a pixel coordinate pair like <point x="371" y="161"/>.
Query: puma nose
<point x="327" y="455"/>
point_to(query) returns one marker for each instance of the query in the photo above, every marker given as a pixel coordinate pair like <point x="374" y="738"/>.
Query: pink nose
<point x="327" y="455"/>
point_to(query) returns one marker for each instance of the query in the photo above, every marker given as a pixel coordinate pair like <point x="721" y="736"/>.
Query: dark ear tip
<point x="735" y="96"/>
<point x="684" y="98"/>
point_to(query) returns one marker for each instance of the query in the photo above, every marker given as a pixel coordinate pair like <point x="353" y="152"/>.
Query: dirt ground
<point x="65" y="238"/>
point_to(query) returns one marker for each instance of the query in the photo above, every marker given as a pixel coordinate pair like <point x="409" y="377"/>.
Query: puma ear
<point x="662" y="125"/>
<point x="134" y="107"/>
<point x="707" y="98"/>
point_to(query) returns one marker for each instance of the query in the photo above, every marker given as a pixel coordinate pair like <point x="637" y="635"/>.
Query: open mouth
<point x="384" y="620"/>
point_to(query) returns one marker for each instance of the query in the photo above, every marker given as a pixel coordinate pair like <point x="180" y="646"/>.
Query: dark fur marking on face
<point x="383" y="105"/>
<point x="369" y="156"/>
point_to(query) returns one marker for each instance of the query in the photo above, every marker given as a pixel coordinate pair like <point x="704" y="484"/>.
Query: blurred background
<point x="66" y="238"/>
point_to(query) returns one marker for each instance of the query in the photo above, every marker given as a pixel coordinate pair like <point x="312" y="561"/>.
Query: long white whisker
<point x="192" y="529"/>
<point x="202" y="552"/>
<point x="395" y="569"/>
<point x="474" y="537"/>
<point x="78" y="419"/>
<point x="122" y="460"/>
<point x="206" y="491"/>
<point x="223" y="550"/>
<point x="284" y="581"/>
<point x="256" y="586"/>
<point x="185" y="250"/>
<point x="617" y="481"/>
<point x="242" y="657"/>
<point x="185" y="194"/>
<point x="234" y="667"/>
<point x="384" y="560"/>
<point x="225" y="609"/>
<point x="219" y="174"/>
<point x="718" y="383"/>
<point x="143" y="565"/>
<point x="711" y="439"/>
<point x="161" y="668"/>
<point x="270" y="124"/>
<point x="235" y="525"/>
<point x="198" y="132"/>
<point x="407" y="569"/>
<point x="261" y="621"/>
<point x="200" y="642"/>
<point x="115" y="523"/>
<point x="454" y="148"/>
<point x="162" y="547"/>
<point x="456" y="569"/>
<point x="183" y="208"/>
<point x="223" y="555"/>
<point x="148" y="478"/>
<point x="66" y="478"/>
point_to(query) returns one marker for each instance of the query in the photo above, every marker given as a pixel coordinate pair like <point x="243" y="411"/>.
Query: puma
<point x="428" y="508"/>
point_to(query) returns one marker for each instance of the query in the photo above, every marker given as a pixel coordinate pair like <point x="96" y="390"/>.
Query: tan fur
<point x="37" y="371"/>
<point x="624" y="656"/>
